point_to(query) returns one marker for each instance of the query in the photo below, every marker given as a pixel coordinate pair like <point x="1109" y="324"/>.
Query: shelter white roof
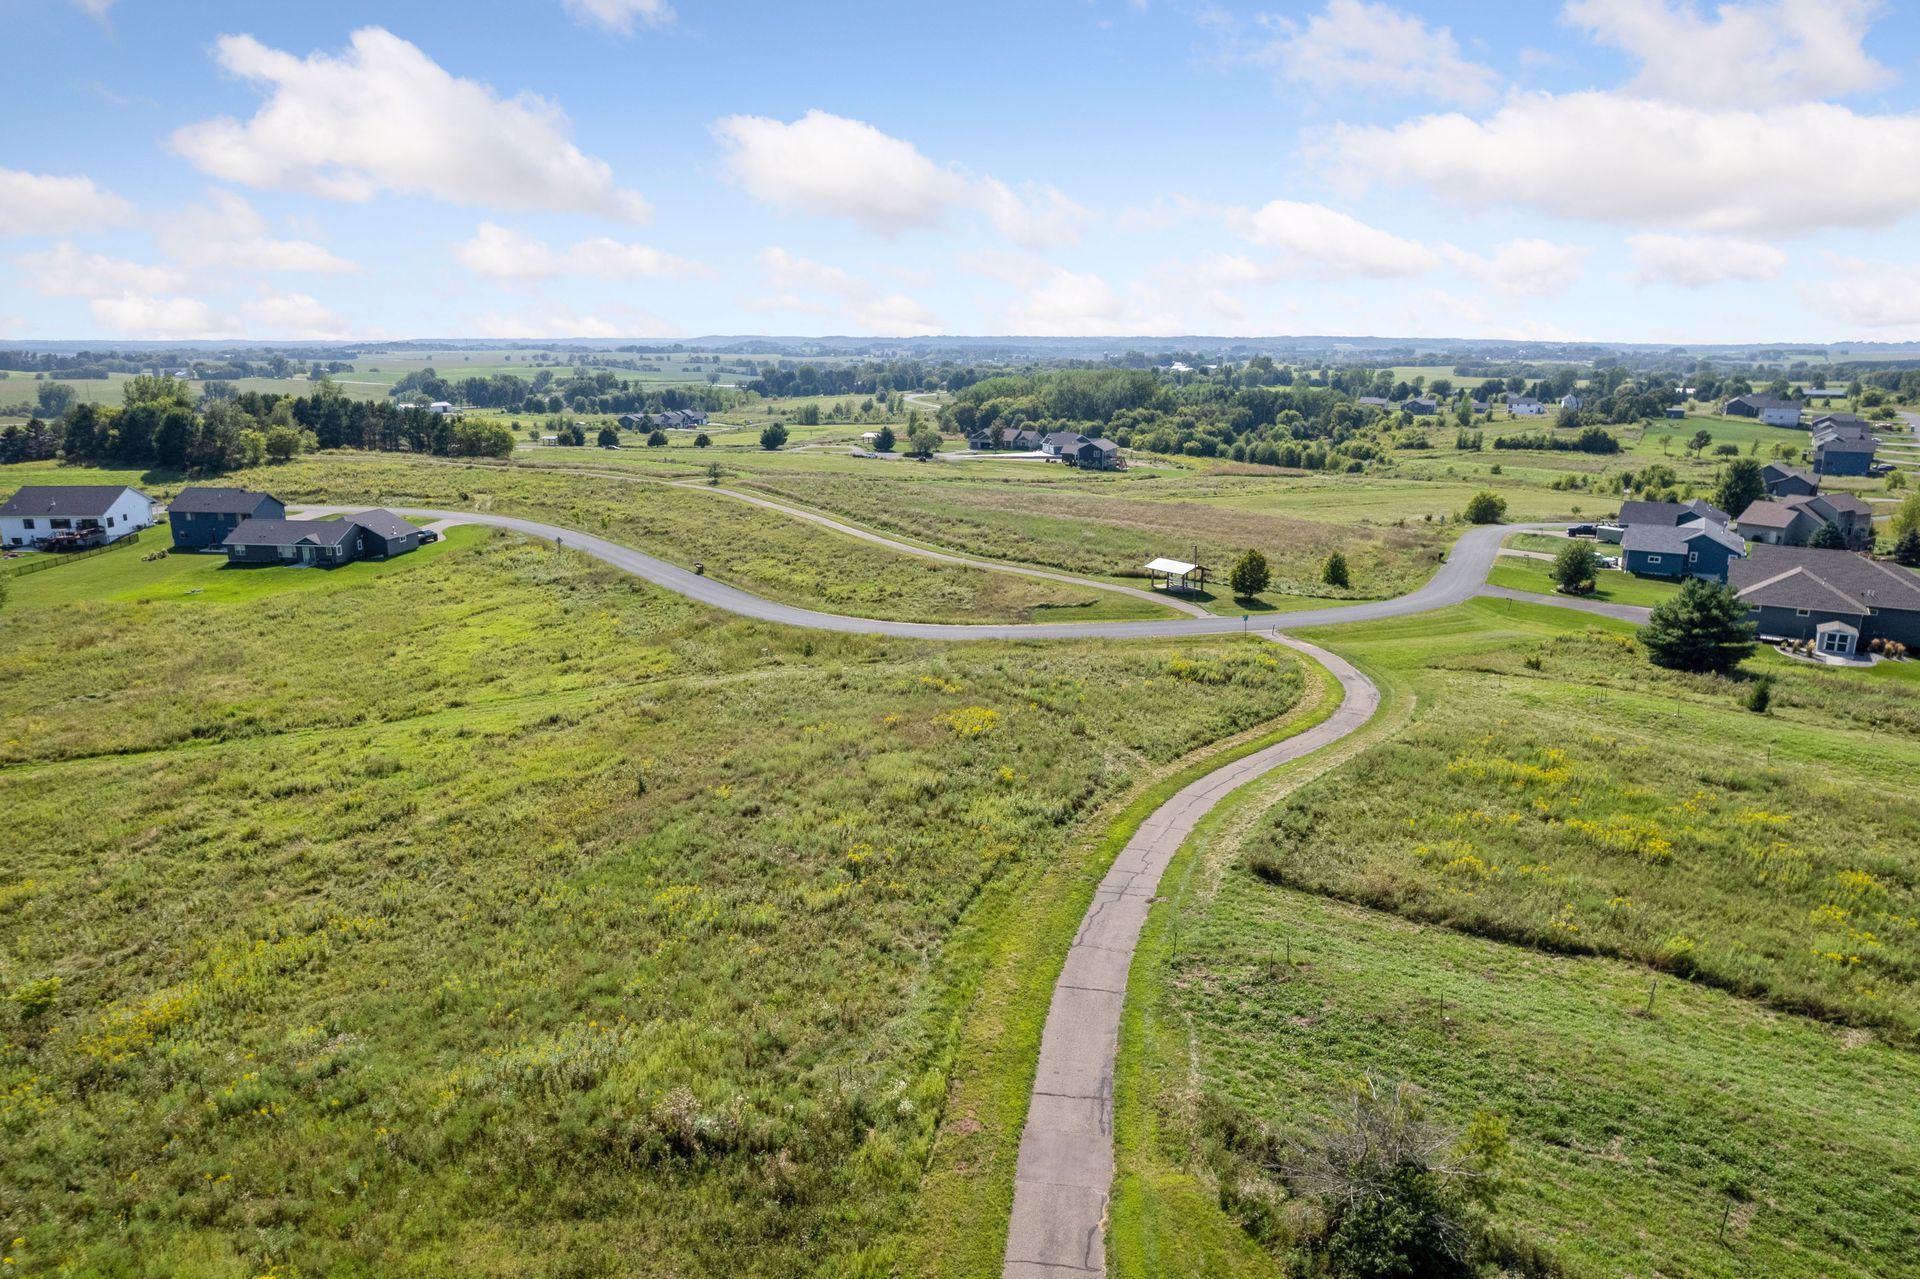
<point x="1171" y="566"/>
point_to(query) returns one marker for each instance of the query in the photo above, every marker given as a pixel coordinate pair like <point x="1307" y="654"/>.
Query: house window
<point x="1653" y="559"/>
<point x="60" y="523"/>
<point x="1693" y="557"/>
<point x="26" y="523"/>
<point x="109" y="521"/>
<point x="1801" y="612"/>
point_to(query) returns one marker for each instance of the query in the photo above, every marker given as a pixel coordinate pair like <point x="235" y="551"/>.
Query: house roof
<point x="1064" y="438"/>
<point x="68" y="501"/>
<point x="199" y="500"/>
<point x="1776" y="472"/>
<point x="383" y="523"/>
<point x="1845" y="444"/>
<point x="289" y="532"/>
<point x="1769" y="515"/>
<point x="1661" y="539"/>
<point x="1790" y="576"/>
<point x="1839" y="503"/>
<point x="1104" y="446"/>
<point x="1668" y="513"/>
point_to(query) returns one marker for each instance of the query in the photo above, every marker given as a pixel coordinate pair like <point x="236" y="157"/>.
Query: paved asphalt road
<point x="1459" y="579"/>
<point x="1065" y="1171"/>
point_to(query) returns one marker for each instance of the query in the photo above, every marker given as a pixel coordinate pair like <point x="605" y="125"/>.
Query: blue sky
<point x="1594" y="169"/>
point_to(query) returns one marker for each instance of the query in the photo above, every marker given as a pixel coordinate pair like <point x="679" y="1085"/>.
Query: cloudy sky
<point x="1601" y="169"/>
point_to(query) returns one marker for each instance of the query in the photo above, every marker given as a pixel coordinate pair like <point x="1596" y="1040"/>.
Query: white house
<point x="441" y="407"/>
<point x="40" y="513"/>
<point x="1570" y="401"/>
<point x="1525" y="406"/>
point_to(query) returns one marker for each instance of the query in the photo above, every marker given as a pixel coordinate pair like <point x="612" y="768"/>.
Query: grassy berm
<point x="490" y="913"/>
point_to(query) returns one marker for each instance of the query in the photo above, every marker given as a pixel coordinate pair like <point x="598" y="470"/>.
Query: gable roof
<point x="1661" y="539"/>
<point x="1669" y="513"/>
<point x="1060" y="439"/>
<point x="1840" y="503"/>
<point x="383" y="523"/>
<point x="289" y="532"/>
<point x="1789" y="576"/>
<point x="1775" y="472"/>
<point x="1769" y="515"/>
<point x="68" y="501"/>
<point x="1845" y="444"/>
<point x="199" y="500"/>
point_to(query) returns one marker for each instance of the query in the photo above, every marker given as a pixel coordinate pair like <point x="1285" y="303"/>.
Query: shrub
<point x="774" y="436"/>
<point x="1759" y="695"/>
<point x="1906" y="549"/>
<point x="702" y="440"/>
<point x="1575" y="568"/>
<point x="1829" y="538"/>
<point x="1485" y="507"/>
<point x="1335" y="573"/>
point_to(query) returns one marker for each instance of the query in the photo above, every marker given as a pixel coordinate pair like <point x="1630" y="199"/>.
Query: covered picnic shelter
<point x="1176" y="575"/>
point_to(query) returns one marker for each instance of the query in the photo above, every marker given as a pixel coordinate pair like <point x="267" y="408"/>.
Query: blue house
<point x="201" y="517"/>
<point x="1843" y="455"/>
<point x="1700" y="549"/>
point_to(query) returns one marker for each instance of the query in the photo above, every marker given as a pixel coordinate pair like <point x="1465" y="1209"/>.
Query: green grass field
<point x="489" y="912"/>
<point x="1610" y="585"/>
<point x="765" y="552"/>
<point x="1494" y="940"/>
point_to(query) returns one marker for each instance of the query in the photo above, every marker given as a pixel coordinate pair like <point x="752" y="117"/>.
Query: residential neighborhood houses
<point x="200" y="518"/>
<point x="1769" y="409"/>
<point x="1700" y="548"/>
<point x="1840" y="601"/>
<point x="1843" y="445"/>
<point x="1788" y="481"/>
<point x="72" y="517"/>
<point x="671" y="420"/>
<point x="1795" y="520"/>
<point x="367" y="535"/>
<point x="1069" y="447"/>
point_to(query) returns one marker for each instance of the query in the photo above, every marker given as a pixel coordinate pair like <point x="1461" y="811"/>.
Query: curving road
<point x="1458" y="580"/>
<point x="1064" y="1174"/>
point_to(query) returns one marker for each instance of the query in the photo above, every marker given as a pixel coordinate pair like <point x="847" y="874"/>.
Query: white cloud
<point x="830" y="166"/>
<point x="386" y="117"/>
<point x="804" y="286"/>
<point x="1525" y="267"/>
<point x="503" y="254"/>
<point x="1868" y="294"/>
<point x="64" y="271"/>
<point x="294" y="315"/>
<point x="557" y="320"/>
<point x="143" y="315"/>
<point x="1323" y="241"/>
<point x="1356" y="44"/>
<point x="1696" y="261"/>
<point x="41" y="204"/>
<point x="1065" y="303"/>
<point x="1631" y="160"/>
<point x="1745" y="54"/>
<point x="622" y="16"/>
<point x="1040" y="218"/>
<point x="229" y="232"/>
<point x="96" y="9"/>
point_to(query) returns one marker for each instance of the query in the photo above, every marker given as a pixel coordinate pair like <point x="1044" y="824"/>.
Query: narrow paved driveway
<point x="1065" y="1171"/>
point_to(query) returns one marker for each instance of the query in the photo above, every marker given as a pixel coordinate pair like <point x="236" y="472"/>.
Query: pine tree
<point x="1335" y="573"/>
<point x="1703" y="628"/>
<point x="1906" y="550"/>
<point x="1829" y="538"/>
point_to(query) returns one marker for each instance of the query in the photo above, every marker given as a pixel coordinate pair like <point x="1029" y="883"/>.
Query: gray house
<point x="1094" y="455"/>
<point x="1670" y="514"/>
<point x="1844" y="454"/>
<point x="1699" y="549"/>
<point x="1788" y="481"/>
<point x="200" y="518"/>
<point x="1840" y="600"/>
<point x="369" y="535"/>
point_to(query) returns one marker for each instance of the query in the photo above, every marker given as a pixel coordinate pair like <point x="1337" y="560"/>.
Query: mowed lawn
<point x="772" y="555"/>
<point x="489" y="912"/>
<point x="1673" y="943"/>
<point x="1611" y="586"/>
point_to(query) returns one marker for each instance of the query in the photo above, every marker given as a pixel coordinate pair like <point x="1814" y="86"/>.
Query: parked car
<point x="1583" y="530"/>
<point x="428" y="535"/>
